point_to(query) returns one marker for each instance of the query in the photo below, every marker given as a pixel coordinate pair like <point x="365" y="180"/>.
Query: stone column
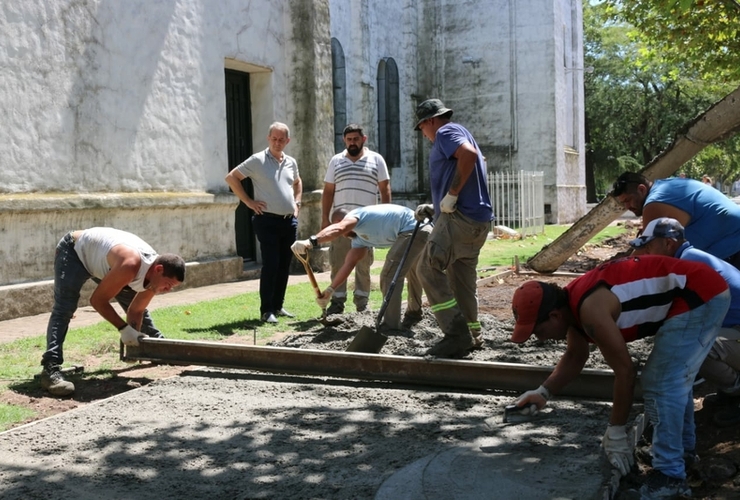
<point x="311" y="94"/>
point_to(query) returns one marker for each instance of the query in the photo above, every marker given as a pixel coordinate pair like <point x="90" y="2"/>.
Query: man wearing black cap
<point x="680" y="303"/>
<point x="462" y="213"/>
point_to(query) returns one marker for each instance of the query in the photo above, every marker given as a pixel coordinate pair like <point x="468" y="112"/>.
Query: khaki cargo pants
<point x="392" y="316"/>
<point x="447" y="270"/>
<point x="337" y="253"/>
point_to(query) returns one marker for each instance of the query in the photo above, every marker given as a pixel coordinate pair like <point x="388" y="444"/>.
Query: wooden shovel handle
<point x="309" y="272"/>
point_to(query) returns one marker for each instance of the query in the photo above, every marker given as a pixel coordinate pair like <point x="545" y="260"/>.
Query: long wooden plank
<point x="462" y="374"/>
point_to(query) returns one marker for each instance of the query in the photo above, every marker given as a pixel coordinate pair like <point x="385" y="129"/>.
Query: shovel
<point x="367" y="339"/>
<point x="323" y="320"/>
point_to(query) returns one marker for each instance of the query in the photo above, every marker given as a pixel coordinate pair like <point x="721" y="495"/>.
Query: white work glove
<point x="449" y="203"/>
<point x="323" y="301"/>
<point x="617" y="449"/>
<point x="300" y="247"/>
<point x="129" y="335"/>
<point x="532" y="402"/>
<point x="423" y="212"/>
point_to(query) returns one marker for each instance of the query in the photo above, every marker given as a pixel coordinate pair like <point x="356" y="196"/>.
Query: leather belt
<point x="277" y="216"/>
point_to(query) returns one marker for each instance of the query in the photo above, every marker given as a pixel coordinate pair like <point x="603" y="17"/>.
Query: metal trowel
<point x="513" y="414"/>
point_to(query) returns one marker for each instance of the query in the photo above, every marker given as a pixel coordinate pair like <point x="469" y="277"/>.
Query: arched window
<point x="339" y="82"/>
<point x="389" y="121"/>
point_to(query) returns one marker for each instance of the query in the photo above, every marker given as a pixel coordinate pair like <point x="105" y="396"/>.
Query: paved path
<point x="32" y="326"/>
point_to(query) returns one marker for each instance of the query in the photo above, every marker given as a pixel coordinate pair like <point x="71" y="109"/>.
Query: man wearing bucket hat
<point x="462" y="214"/>
<point x="665" y="236"/>
<point x="680" y="303"/>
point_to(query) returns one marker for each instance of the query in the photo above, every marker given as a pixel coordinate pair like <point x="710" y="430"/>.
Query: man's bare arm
<point x="124" y="263"/>
<point x="327" y="200"/>
<point x="385" y="191"/>
<point x="599" y="313"/>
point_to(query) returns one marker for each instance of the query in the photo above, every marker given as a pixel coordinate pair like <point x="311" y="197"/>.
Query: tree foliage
<point x="639" y="97"/>
<point x="699" y="36"/>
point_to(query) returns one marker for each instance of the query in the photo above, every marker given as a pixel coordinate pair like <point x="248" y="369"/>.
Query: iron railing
<point x="518" y="201"/>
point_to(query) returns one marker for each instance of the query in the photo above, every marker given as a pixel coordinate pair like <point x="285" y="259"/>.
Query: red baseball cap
<point x="531" y="303"/>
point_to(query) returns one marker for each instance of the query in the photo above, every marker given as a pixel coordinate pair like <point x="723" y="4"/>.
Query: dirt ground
<point x="715" y="477"/>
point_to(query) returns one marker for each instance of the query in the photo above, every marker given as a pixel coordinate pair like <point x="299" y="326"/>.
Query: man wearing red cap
<point x="680" y="303"/>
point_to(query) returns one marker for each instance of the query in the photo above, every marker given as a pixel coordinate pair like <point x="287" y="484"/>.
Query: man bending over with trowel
<point x="680" y="303"/>
<point x="126" y="268"/>
<point x="384" y="225"/>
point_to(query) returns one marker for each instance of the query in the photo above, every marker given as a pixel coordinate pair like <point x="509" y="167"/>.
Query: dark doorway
<point x="239" y="138"/>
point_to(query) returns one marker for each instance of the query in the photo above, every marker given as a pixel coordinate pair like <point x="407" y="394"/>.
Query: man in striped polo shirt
<point x="353" y="180"/>
<point x="680" y="303"/>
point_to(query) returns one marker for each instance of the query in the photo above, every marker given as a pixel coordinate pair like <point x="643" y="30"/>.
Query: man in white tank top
<point x="126" y="268"/>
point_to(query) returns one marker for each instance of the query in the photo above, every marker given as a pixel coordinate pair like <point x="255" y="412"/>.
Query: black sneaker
<point x="53" y="381"/>
<point x="660" y="486"/>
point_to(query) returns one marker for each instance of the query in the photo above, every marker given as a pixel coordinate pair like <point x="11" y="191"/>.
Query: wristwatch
<point x="314" y="241"/>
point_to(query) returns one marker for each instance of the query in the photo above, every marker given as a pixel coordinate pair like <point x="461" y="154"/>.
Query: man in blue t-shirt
<point x="462" y="214"/>
<point x="665" y="236"/>
<point x="380" y="226"/>
<point x="712" y="220"/>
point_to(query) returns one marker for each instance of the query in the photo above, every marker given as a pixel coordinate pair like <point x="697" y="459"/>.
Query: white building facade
<point x="130" y="113"/>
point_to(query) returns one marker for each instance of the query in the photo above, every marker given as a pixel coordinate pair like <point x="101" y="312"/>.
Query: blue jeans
<point x="69" y="277"/>
<point x="681" y="345"/>
<point x="276" y="234"/>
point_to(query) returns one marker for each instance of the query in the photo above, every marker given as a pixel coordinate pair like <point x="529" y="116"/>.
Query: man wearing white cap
<point x="665" y="236"/>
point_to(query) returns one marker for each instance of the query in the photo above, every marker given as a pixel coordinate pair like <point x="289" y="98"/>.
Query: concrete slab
<point x="215" y="434"/>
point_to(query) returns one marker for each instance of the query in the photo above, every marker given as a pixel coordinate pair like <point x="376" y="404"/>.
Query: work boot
<point x="410" y="319"/>
<point x="659" y="486"/>
<point x="53" y="381"/>
<point x="335" y="308"/>
<point x="361" y="304"/>
<point x="452" y="346"/>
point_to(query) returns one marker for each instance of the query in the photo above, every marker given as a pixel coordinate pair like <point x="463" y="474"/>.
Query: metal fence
<point x="518" y="200"/>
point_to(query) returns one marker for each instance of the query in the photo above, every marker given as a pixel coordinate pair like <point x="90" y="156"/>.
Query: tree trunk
<point x="721" y="121"/>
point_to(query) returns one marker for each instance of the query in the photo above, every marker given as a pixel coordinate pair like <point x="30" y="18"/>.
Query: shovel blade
<point x="367" y="340"/>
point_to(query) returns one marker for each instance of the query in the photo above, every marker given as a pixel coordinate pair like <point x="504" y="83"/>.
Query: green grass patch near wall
<point x="220" y="319"/>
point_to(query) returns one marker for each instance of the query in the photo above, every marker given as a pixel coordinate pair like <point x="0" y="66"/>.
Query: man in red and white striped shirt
<point x="680" y="303"/>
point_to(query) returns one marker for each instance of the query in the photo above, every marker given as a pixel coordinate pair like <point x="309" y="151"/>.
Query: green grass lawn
<point x="219" y="319"/>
